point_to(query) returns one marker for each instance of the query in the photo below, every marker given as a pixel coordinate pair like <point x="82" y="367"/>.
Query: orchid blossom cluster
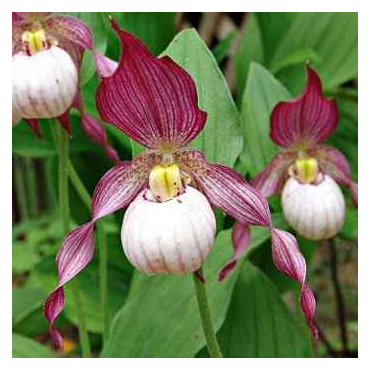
<point x="306" y="172"/>
<point x="169" y="226"/>
<point x="47" y="56"/>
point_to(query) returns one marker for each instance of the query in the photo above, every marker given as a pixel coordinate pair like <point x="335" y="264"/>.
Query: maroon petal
<point x="115" y="190"/>
<point x="35" y="127"/>
<point x="289" y="260"/>
<point x="308" y="306"/>
<point x="227" y="189"/>
<point x="74" y="30"/>
<point x="95" y="130"/>
<point x="105" y="66"/>
<point x="64" y="121"/>
<point x="241" y="238"/>
<point x="334" y="163"/>
<point x="271" y="180"/>
<point x="154" y="101"/>
<point x="74" y="254"/>
<point x="306" y="120"/>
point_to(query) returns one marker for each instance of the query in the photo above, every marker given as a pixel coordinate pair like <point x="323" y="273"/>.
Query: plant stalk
<point x="205" y="314"/>
<point x="62" y="145"/>
<point x="103" y="251"/>
<point x="20" y="189"/>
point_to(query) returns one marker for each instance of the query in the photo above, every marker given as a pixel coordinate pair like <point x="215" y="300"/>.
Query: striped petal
<point x="35" y="127"/>
<point x="115" y="190"/>
<point x="307" y="120"/>
<point x="241" y="238"/>
<point x="72" y="29"/>
<point x="226" y="189"/>
<point x="271" y="180"/>
<point x="104" y="66"/>
<point x="289" y="260"/>
<point x="154" y="101"/>
<point x="334" y="163"/>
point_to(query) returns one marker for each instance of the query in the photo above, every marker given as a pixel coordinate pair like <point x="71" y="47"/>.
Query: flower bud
<point x="44" y="83"/>
<point x="315" y="211"/>
<point x="171" y="237"/>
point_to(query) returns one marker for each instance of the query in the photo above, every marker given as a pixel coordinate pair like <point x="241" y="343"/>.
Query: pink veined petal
<point x="353" y="188"/>
<point x="307" y="120"/>
<point x="30" y="16"/>
<point x="334" y="163"/>
<point x="72" y="29"/>
<point x="289" y="260"/>
<point x="35" y="127"/>
<point x="105" y="66"/>
<point x="95" y="130"/>
<point x="154" y="101"/>
<point x="241" y="238"/>
<point x="308" y="306"/>
<point x="227" y="189"/>
<point x="115" y="190"/>
<point x="271" y="180"/>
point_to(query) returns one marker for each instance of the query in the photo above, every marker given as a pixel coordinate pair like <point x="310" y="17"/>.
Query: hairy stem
<point x="341" y="310"/>
<point x="31" y="186"/>
<point x="205" y="314"/>
<point x="62" y="145"/>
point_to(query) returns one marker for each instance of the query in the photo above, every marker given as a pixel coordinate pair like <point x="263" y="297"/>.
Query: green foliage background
<point x="157" y="316"/>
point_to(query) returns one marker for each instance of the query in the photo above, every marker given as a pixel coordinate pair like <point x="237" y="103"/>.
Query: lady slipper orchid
<point x="306" y="172"/>
<point x="47" y="55"/>
<point x="169" y="226"/>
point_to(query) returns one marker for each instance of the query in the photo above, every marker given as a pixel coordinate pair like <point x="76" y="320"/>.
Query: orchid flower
<point x="305" y="171"/>
<point x="47" y="55"/>
<point x="169" y="226"/>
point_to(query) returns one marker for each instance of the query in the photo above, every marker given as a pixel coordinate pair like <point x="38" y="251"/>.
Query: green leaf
<point x="220" y="140"/>
<point x="23" y="347"/>
<point x="25" y="301"/>
<point x="334" y="37"/>
<point x="249" y="50"/>
<point x="25" y="143"/>
<point x="350" y="227"/>
<point x="155" y="29"/>
<point x="262" y="93"/>
<point x="160" y="317"/>
<point x="44" y="277"/>
<point x="222" y="49"/>
<point x="258" y="324"/>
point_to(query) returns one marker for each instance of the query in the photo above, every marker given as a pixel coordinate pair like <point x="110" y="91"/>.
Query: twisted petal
<point x="105" y="66"/>
<point x="306" y="120"/>
<point x="95" y="130"/>
<point x="116" y="189"/>
<point x="154" y="101"/>
<point x="227" y="189"/>
<point x="334" y="163"/>
<point x="271" y="180"/>
<point x="241" y="238"/>
<point x="74" y="30"/>
<point x="289" y="260"/>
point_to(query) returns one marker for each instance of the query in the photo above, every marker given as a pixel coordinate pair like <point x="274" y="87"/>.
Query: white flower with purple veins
<point x="169" y="226"/>
<point x="47" y="54"/>
<point x="307" y="172"/>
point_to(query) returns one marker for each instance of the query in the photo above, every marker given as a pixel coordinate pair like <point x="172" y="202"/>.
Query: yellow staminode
<point x="34" y="41"/>
<point x="306" y="169"/>
<point x="165" y="181"/>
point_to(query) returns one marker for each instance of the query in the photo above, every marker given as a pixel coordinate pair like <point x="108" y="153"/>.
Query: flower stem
<point x="32" y="186"/>
<point x="103" y="251"/>
<point x="62" y="145"/>
<point x="20" y="188"/>
<point x="205" y="314"/>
